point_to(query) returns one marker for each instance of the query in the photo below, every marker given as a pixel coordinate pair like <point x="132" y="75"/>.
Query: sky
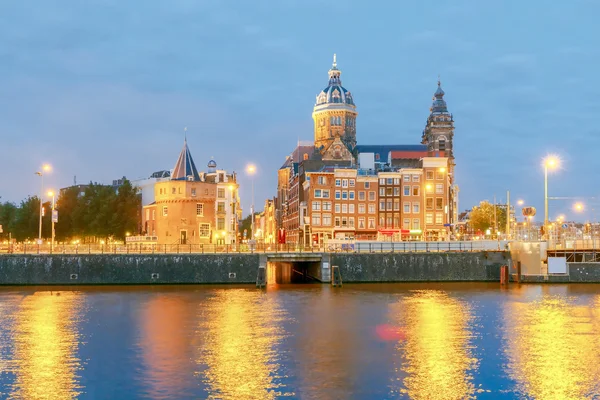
<point x="104" y="89"/>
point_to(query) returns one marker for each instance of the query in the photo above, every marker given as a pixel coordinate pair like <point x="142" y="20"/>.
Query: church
<point x="336" y="188"/>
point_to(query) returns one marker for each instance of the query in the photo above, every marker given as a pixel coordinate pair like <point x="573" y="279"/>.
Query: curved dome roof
<point x="335" y="93"/>
<point x="212" y="164"/>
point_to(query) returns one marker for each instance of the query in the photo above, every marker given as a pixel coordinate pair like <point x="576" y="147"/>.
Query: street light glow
<point x="520" y="202"/>
<point x="50" y="193"/>
<point x="46" y="167"/>
<point x="551" y="161"/>
<point x="442" y="170"/>
<point x="251" y="169"/>
<point x="578" y="207"/>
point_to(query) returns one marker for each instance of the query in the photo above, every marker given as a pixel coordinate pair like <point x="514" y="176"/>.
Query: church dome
<point x="212" y="164"/>
<point x="335" y="93"/>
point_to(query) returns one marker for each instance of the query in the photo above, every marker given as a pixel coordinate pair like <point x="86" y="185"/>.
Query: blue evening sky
<point x="102" y="89"/>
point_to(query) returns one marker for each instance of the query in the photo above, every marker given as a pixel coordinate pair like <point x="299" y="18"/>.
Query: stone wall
<point x="127" y="269"/>
<point x="584" y="272"/>
<point x="410" y="267"/>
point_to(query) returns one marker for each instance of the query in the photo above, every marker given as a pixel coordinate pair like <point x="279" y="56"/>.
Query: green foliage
<point x="246" y="224"/>
<point x="99" y="213"/>
<point x="482" y="217"/>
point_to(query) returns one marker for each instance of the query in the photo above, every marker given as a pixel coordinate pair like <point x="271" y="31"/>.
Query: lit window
<point x="439" y="218"/>
<point x="221" y="193"/>
<point x="439" y="188"/>
<point x="429" y="203"/>
<point x="407" y="208"/>
<point x="416" y="224"/>
<point x="220" y="224"/>
<point x="220" y="207"/>
<point x="439" y="203"/>
<point x="199" y="209"/>
<point x="429" y="218"/>
<point x="416" y="190"/>
<point x="204" y="230"/>
<point x="316" y="219"/>
<point x="165" y="211"/>
<point x="406" y="223"/>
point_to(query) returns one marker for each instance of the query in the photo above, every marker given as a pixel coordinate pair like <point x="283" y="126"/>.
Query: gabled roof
<point x="185" y="167"/>
<point x="298" y="154"/>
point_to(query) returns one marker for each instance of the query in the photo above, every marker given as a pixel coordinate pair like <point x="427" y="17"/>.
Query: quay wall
<point x="110" y="269"/>
<point x="420" y="267"/>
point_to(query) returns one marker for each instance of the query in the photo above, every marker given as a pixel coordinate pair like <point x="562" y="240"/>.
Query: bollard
<point x="504" y="275"/>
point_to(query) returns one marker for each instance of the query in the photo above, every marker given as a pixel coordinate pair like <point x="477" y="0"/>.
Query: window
<point x="221" y="193"/>
<point x="367" y="185"/>
<point x="153" y="215"/>
<point x="361" y="196"/>
<point x="344" y="195"/>
<point x="351" y="208"/>
<point x="439" y="188"/>
<point x="322" y="180"/>
<point x="338" y="182"/>
<point x="316" y="205"/>
<point x="165" y="211"/>
<point x="407" y="190"/>
<point x="416" y="208"/>
<point x="326" y="193"/>
<point x="407" y="208"/>
<point x="382" y="205"/>
<point x="173" y="190"/>
<point x="381" y="221"/>
<point x="338" y="194"/>
<point x="429" y="203"/>
<point x="371" y="223"/>
<point x="439" y="218"/>
<point x="389" y="181"/>
<point x="338" y="208"/>
<point x="220" y="224"/>
<point x="344" y="183"/>
<point x="344" y="208"/>
<point x="439" y="175"/>
<point x="389" y="191"/>
<point x="406" y="223"/>
<point x="377" y="156"/>
<point x="371" y="208"/>
<point x="382" y="181"/>
<point x="388" y="221"/>
<point x="396" y="191"/>
<point x="396" y="222"/>
<point x="416" y="178"/>
<point x="429" y="175"/>
<point x="429" y="218"/>
<point x="442" y="145"/>
<point x="326" y="206"/>
<point x="439" y="203"/>
<point x="344" y="222"/>
<point x="406" y="178"/>
<point x="220" y="207"/>
<point x="160" y="190"/>
<point x="389" y="205"/>
<point x="326" y="219"/>
<point x="199" y="209"/>
<point x="337" y="221"/>
<point x="371" y="196"/>
<point x="361" y="208"/>
<point x="318" y="193"/>
<point x="361" y="222"/>
<point x="352" y="182"/>
<point x="381" y="191"/>
<point x="206" y="191"/>
<point x="147" y="214"/>
<point x="396" y="205"/>
<point x="193" y="192"/>
<point x="204" y="230"/>
<point x="351" y="222"/>
<point x="351" y="195"/>
<point x="316" y="219"/>
<point x="416" y="190"/>
<point x="396" y="181"/>
<point x="416" y="224"/>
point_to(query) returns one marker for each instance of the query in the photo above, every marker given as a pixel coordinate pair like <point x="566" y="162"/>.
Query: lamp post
<point x="251" y="169"/>
<point x="233" y="216"/>
<point x="51" y="194"/>
<point x="550" y="162"/>
<point x="45" y="168"/>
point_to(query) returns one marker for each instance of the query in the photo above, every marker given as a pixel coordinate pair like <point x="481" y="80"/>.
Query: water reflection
<point x="437" y="357"/>
<point x="46" y="339"/>
<point x="165" y="321"/>
<point x="238" y="358"/>
<point x="553" y="348"/>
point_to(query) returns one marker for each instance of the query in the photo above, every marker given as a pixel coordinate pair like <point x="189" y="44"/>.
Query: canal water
<point x="384" y="341"/>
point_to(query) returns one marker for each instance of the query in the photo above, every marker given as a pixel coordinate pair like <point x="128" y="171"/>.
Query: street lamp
<point x="45" y="168"/>
<point x="51" y="194"/>
<point x="251" y="170"/>
<point x="233" y="216"/>
<point x="550" y="162"/>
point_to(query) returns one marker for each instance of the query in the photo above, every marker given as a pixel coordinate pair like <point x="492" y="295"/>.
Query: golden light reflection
<point x="240" y="330"/>
<point x="46" y="340"/>
<point x="553" y="349"/>
<point x="437" y="354"/>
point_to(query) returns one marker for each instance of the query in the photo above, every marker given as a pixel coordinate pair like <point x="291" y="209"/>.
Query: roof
<point x="335" y="92"/>
<point x="401" y="154"/>
<point x="298" y="154"/>
<point x="382" y="151"/>
<point x="185" y="167"/>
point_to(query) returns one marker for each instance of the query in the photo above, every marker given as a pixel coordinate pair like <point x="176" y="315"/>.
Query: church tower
<point x="334" y="114"/>
<point x="439" y="132"/>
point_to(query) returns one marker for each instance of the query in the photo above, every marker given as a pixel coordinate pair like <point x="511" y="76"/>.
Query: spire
<point x="185" y="134"/>
<point x="439" y="104"/>
<point x="334" y="73"/>
<point x="185" y="169"/>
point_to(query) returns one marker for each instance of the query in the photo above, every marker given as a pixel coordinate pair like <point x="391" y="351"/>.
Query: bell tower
<point x="439" y="131"/>
<point x="334" y="113"/>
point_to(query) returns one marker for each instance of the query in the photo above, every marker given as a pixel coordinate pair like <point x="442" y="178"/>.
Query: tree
<point x="69" y="214"/>
<point x="27" y="219"/>
<point x="482" y="217"/>
<point x="246" y="224"/>
<point x="126" y="211"/>
<point x="8" y="218"/>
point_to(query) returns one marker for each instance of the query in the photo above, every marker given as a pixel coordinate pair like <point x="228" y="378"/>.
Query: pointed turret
<point x="185" y="169"/>
<point x="439" y="131"/>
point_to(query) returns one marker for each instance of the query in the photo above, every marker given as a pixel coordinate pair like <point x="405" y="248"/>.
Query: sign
<point x="55" y="216"/>
<point x="447" y="224"/>
<point x="565" y="226"/>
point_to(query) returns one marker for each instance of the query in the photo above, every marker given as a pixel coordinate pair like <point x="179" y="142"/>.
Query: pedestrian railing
<point x="355" y="247"/>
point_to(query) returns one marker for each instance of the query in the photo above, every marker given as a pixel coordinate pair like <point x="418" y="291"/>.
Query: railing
<point x="575" y="244"/>
<point x="355" y="247"/>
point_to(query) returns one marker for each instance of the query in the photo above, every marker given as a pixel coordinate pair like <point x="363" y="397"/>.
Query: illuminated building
<point x="412" y="189"/>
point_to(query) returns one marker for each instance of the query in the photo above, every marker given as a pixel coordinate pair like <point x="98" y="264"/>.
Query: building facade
<point x="336" y="189"/>
<point x="192" y="207"/>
